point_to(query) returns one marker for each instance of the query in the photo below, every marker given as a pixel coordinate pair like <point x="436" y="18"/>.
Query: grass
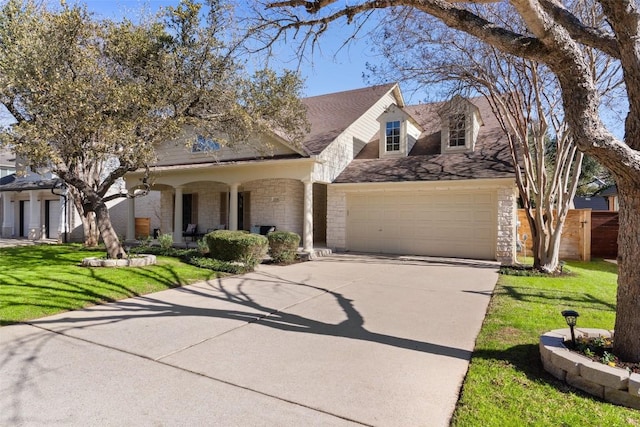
<point x="37" y="281"/>
<point x="506" y="384"/>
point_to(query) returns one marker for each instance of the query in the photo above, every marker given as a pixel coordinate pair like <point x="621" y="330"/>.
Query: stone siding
<point x="507" y="232"/>
<point x="277" y="202"/>
<point x="336" y="219"/>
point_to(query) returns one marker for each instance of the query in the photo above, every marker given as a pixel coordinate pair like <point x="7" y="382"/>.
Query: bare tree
<point x="524" y="97"/>
<point x="556" y="36"/>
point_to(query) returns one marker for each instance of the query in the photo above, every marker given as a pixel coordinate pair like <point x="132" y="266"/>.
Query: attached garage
<point x="436" y="223"/>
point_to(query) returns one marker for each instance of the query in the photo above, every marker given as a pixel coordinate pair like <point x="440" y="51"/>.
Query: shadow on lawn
<point x="524" y="358"/>
<point x="542" y="296"/>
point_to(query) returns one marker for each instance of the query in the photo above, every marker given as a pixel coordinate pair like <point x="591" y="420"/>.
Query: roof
<point x="596" y="203"/>
<point x="609" y="191"/>
<point x="330" y="115"/>
<point x="491" y="157"/>
<point x="12" y="183"/>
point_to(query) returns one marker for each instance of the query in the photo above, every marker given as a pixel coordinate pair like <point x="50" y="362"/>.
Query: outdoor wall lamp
<point x="571" y="317"/>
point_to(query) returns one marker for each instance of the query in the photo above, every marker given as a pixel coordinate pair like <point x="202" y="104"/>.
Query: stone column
<point x="233" y="206"/>
<point x="7" y="215"/>
<point x="307" y="238"/>
<point x="131" y="219"/>
<point x="177" y="217"/>
<point x="34" y="216"/>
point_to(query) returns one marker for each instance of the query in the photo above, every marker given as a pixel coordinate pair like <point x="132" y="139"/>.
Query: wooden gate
<point x="604" y="234"/>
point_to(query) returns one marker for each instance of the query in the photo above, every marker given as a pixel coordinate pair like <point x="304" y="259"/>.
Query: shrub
<point x="283" y="246"/>
<point x="239" y="246"/>
<point x="165" y="240"/>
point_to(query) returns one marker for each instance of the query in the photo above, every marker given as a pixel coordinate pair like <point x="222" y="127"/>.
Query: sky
<point x="329" y="70"/>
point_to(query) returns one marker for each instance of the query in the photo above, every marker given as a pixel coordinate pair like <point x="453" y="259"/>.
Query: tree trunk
<point x="91" y="232"/>
<point x="109" y="235"/>
<point x="627" y="330"/>
<point x="89" y="226"/>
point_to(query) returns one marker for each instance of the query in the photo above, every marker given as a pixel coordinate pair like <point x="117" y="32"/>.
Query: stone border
<point x="612" y="384"/>
<point x="139" y="260"/>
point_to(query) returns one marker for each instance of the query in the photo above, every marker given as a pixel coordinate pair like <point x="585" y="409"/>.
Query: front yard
<point x="506" y="384"/>
<point x="37" y="281"/>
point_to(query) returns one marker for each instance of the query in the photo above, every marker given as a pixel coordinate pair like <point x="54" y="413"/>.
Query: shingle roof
<point x="11" y="183"/>
<point x="490" y="159"/>
<point x="329" y="115"/>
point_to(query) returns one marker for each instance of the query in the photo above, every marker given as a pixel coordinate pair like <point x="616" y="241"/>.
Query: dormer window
<point x="457" y="130"/>
<point x="392" y="142"/>
<point x="461" y="121"/>
<point x="204" y="145"/>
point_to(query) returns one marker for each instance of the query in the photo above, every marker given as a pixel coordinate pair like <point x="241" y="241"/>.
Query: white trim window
<point x="457" y="130"/>
<point x="204" y="145"/>
<point x="392" y="136"/>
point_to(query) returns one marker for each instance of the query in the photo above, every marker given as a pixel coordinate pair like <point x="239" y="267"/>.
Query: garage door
<point x="441" y="223"/>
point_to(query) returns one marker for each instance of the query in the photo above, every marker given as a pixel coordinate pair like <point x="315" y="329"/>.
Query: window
<point x="203" y="145"/>
<point x="393" y="136"/>
<point x="457" y="130"/>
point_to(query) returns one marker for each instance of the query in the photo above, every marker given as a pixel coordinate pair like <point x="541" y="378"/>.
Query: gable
<point x="182" y="151"/>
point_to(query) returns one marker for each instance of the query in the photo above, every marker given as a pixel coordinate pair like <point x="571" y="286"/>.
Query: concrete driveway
<point x="344" y="340"/>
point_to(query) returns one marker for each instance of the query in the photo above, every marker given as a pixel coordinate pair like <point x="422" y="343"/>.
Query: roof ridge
<point x="389" y="85"/>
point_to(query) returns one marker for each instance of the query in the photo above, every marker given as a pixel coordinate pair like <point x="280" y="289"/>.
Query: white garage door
<point x="439" y="223"/>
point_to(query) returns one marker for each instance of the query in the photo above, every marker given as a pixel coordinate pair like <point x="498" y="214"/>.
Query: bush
<point x="165" y="240"/>
<point x="283" y="246"/>
<point x="238" y="246"/>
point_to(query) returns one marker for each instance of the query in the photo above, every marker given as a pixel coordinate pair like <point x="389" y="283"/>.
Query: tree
<point x="555" y="36"/>
<point x="93" y="98"/>
<point x="524" y="97"/>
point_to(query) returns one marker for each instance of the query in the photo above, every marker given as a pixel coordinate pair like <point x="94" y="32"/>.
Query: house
<point x="610" y="194"/>
<point x="33" y="206"/>
<point x="372" y="175"/>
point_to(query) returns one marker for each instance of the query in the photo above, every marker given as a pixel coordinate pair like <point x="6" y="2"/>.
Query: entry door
<point x="25" y="218"/>
<point x="52" y="218"/>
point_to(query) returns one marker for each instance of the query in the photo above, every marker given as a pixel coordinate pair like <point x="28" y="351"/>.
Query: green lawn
<point x="40" y="280"/>
<point x="506" y="384"/>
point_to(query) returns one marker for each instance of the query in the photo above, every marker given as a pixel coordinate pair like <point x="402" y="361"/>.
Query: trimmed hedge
<point x="283" y="246"/>
<point x="238" y="246"/>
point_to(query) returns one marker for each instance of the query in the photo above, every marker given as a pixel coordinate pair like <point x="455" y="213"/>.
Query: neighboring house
<point x="610" y="194"/>
<point x="373" y="175"/>
<point x="596" y="203"/>
<point x="32" y="205"/>
<point x="603" y="200"/>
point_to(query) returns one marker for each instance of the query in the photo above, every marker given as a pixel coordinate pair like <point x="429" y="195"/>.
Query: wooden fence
<point x="575" y="242"/>
<point x="604" y="234"/>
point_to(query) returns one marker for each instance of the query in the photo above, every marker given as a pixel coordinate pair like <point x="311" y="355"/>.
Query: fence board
<point x="604" y="234"/>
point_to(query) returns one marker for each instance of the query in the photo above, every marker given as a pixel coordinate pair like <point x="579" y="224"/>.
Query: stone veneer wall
<point x="208" y="215"/>
<point x="507" y="220"/>
<point x="277" y="202"/>
<point x="336" y="218"/>
<point x="615" y="385"/>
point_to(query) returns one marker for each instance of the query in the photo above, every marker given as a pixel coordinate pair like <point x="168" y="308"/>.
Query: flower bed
<point x="613" y="384"/>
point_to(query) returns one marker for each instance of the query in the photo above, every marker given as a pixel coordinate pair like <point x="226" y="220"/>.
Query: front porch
<point x="222" y="197"/>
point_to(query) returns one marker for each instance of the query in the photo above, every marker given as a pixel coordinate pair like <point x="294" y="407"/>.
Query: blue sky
<point x="331" y="70"/>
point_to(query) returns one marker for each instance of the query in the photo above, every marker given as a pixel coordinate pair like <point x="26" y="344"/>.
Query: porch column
<point x="177" y="217"/>
<point x="131" y="219"/>
<point x="34" y="216"/>
<point x="7" y="215"/>
<point x="233" y="206"/>
<point x="307" y="238"/>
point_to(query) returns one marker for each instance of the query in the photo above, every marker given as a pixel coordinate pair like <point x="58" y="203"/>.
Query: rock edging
<point x="615" y="385"/>
<point x="140" y="260"/>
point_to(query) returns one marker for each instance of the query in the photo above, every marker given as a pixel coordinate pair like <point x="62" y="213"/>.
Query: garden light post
<point x="571" y="317"/>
